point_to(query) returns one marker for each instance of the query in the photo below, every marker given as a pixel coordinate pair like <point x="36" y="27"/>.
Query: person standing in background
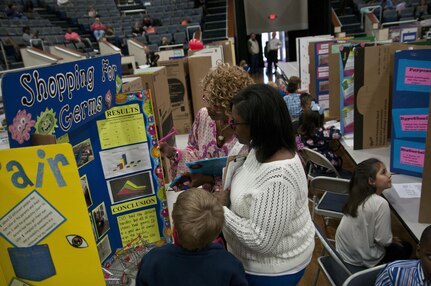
<point x="274" y="44"/>
<point x="253" y="49"/>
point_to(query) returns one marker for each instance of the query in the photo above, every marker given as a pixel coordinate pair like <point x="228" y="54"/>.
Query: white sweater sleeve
<point x="383" y="230"/>
<point x="270" y="213"/>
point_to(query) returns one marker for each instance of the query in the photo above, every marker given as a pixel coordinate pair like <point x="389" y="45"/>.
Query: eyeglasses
<point x="233" y="124"/>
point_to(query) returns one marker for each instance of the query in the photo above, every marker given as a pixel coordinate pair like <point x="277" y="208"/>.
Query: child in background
<point x="313" y="136"/>
<point x="193" y="260"/>
<point x="296" y="80"/>
<point x="244" y="65"/>
<point x="410" y="272"/>
<point x="306" y="102"/>
<point x="364" y="236"/>
<point x="293" y="101"/>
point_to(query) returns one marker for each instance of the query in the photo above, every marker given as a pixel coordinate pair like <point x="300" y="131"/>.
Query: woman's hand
<point x="167" y="151"/>
<point x="198" y="180"/>
<point x="223" y="197"/>
<point x="189" y="180"/>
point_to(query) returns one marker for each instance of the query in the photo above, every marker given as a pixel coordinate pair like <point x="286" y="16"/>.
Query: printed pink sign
<point x="417" y="122"/>
<point x="322" y="48"/>
<point x="412" y="156"/>
<point x="417" y="76"/>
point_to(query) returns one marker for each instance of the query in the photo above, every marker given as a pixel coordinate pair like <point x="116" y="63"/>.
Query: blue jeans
<point x="98" y="34"/>
<point x="285" y="280"/>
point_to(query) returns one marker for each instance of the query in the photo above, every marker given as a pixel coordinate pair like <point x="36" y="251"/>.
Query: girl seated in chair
<point x="364" y="236"/>
<point x="312" y="135"/>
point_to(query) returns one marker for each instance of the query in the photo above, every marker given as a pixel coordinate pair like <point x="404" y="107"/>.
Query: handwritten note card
<point x="408" y="191"/>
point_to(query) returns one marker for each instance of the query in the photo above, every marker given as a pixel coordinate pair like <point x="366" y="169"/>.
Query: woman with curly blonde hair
<point x="211" y="135"/>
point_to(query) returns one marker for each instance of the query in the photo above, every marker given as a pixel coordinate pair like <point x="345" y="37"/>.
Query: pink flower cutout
<point x="22" y="124"/>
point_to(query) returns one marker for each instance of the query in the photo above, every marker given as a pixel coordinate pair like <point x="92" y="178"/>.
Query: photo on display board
<point x="323" y="86"/>
<point x="125" y="160"/>
<point x="17" y="282"/>
<point x="93" y="226"/>
<point x="104" y="248"/>
<point x="83" y="153"/>
<point x="323" y="60"/>
<point x="86" y="191"/>
<point x="130" y="187"/>
<point x="100" y="219"/>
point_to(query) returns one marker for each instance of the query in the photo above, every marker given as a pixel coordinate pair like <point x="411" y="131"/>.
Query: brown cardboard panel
<point x="334" y="86"/>
<point x="155" y="79"/>
<point x="199" y="66"/>
<point x="228" y="54"/>
<point x="311" y="53"/>
<point x="179" y="90"/>
<point x="424" y="211"/>
<point x="371" y="97"/>
<point x="182" y="125"/>
<point x="132" y="84"/>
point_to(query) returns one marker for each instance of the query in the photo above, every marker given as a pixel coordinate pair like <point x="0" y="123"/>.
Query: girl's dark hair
<point x="305" y="98"/>
<point x="311" y="120"/>
<point x="262" y="107"/>
<point x="359" y="187"/>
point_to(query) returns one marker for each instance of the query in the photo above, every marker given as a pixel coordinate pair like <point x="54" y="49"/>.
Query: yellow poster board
<point x="45" y="234"/>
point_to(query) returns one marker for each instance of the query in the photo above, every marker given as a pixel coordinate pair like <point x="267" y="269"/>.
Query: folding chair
<point x="364" y="277"/>
<point x="335" y="194"/>
<point x="315" y="157"/>
<point x="37" y="43"/>
<point x="332" y="265"/>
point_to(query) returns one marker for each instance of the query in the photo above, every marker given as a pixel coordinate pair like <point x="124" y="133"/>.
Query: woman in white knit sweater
<point x="268" y="224"/>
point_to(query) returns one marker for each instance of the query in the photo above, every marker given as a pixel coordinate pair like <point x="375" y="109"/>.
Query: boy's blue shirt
<point x="173" y="265"/>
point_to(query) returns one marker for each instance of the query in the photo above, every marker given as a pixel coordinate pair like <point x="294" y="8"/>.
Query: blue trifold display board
<point x="410" y="105"/>
<point x="114" y="141"/>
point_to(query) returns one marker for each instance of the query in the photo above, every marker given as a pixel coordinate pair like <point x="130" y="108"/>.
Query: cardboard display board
<point x="411" y="90"/>
<point x="346" y="87"/>
<point x="114" y="142"/>
<point x="334" y="86"/>
<point x="156" y="80"/>
<point x="215" y="51"/>
<point x="228" y="50"/>
<point x="393" y="48"/>
<point x="61" y="97"/>
<point x="45" y="234"/>
<point x="132" y="84"/>
<point x="303" y="56"/>
<point x="319" y="72"/>
<point x="371" y="95"/>
<point x="179" y="90"/>
<point x="199" y="66"/>
<point x="424" y="211"/>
